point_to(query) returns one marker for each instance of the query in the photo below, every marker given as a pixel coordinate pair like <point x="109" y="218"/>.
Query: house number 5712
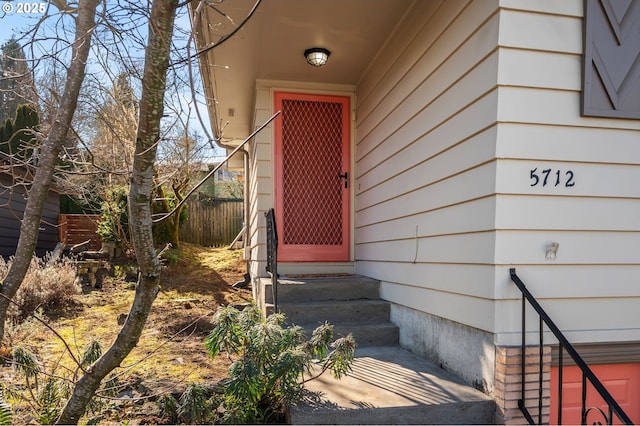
<point x="551" y="177"/>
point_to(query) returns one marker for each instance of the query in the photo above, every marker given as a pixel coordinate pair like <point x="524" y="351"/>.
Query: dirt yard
<point x="170" y="355"/>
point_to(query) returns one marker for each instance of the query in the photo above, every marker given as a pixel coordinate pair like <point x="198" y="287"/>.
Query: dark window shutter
<point x="611" y="72"/>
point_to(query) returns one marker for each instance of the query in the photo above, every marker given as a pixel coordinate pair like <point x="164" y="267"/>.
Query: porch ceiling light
<point x="317" y="56"/>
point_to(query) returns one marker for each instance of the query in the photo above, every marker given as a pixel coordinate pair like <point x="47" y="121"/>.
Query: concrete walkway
<point x="389" y="385"/>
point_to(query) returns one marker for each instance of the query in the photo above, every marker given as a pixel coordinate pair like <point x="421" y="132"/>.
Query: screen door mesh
<point x="311" y="168"/>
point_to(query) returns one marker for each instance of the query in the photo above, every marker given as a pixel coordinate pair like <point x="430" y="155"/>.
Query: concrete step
<point x="324" y="288"/>
<point x="365" y="333"/>
<point x="336" y="311"/>
<point x="389" y="385"/>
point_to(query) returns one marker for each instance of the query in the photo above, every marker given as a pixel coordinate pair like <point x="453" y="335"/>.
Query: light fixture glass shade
<point x="317" y="56"/>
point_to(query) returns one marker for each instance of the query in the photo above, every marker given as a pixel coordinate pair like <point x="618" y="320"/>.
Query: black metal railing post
<point x="272" y="255"/>
<point x="540" y="368"/>
<point x="521" y="402"/>
<point x="564" y="345"/>
<point x="560" y="371"/>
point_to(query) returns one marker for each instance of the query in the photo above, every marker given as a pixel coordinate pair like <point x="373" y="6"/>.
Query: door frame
<point x="294" y="253"/>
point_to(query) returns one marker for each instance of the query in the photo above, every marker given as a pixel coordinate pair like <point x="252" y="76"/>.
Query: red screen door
<point x="312" y="177"/>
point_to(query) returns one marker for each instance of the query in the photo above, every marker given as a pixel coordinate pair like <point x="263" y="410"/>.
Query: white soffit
<point x="271" y="46"/>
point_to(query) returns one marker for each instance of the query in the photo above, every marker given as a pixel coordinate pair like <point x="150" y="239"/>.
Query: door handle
<point x="345" y="176"/>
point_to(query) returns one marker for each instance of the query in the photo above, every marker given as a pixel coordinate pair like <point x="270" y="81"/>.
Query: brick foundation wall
<point x="508" y="384"/>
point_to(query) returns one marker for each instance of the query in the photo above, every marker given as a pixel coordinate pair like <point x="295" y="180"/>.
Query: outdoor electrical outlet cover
<point x="552" y="250"/>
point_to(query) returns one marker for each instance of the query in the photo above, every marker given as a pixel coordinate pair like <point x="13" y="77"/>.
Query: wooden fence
<point x="214" y="223"/>
<point x="209" y="224"/>
<point x="78" y="228"/>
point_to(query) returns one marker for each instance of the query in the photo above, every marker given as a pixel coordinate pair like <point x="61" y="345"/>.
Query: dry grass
<point x="170" y="354"/>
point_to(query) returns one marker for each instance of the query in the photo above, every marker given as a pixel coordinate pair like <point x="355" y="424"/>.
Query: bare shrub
<point x="47" y="285"/>
<point x="16" y="332"/>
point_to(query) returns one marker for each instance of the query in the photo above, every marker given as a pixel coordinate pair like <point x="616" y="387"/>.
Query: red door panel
<point x="312" y="146"/>
<point x="621" y="380"/>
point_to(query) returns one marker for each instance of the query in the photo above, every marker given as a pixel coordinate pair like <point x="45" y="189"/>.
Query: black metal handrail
<point x="211" y="172"/>
<point x="272" y="255"/>
<point x="564" y="345"/>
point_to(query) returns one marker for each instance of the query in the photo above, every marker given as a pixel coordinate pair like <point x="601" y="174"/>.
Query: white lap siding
<point x="590" y="289"/>
<point x="425" y="162"/>
<point x="463" y="106"/>
<point x="425" y="181"/>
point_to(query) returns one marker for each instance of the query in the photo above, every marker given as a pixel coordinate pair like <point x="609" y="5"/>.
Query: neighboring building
<point x="224" y="184"/>
<point x="462" y="151"/>
<point x="13" y="199"/>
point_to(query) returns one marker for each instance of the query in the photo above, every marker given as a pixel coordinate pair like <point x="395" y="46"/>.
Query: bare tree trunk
<point x="140" y="219"/>
<point x="48" y="157"/>
<point x="174" y="227"/>
<point x="172" y="222"/>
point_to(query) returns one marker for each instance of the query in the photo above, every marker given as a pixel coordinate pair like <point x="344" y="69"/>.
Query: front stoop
<point x="389" y="385"/>
<point x="350" y="303"/>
